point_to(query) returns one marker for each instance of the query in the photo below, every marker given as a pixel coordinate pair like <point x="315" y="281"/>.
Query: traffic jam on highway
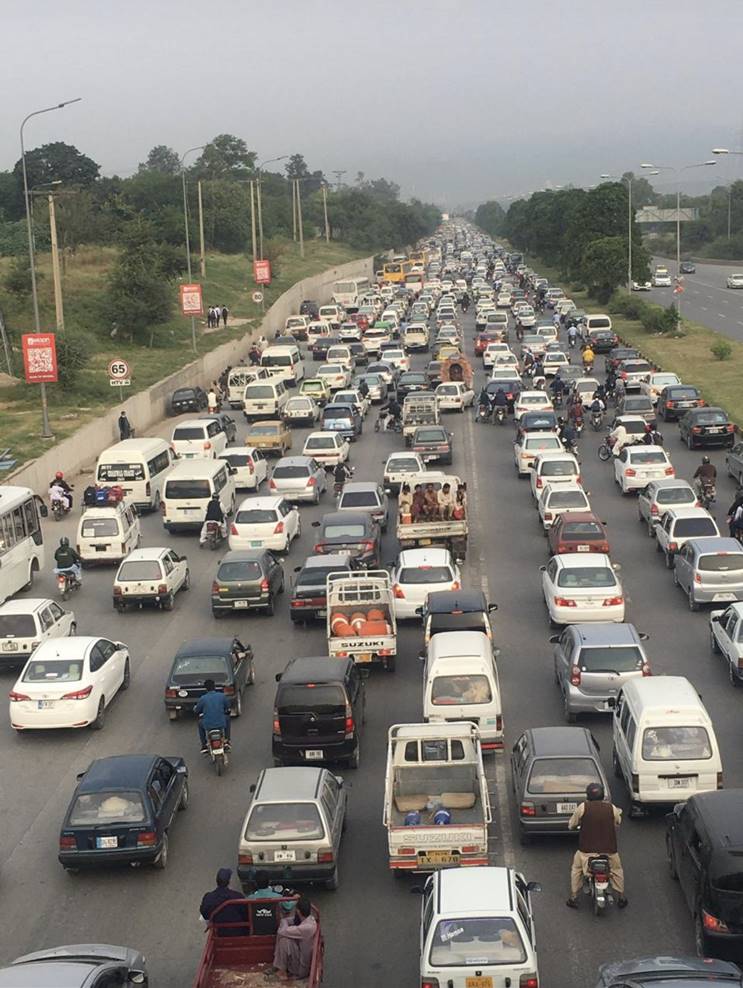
<point x="372" y="583"/>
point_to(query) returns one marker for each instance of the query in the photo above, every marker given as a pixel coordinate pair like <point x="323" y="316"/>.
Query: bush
<point x="656" y="319"/>
<point x="74" y="350"/>
<point x="722" y="350"/>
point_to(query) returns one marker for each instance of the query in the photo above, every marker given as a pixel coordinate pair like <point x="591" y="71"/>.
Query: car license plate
<point x="363" y="657"/>
<point x="480" y="981"/>
<point x="101" y="548"/>
<point x="679" y="783"/>
<point x="256" y="544"/>
<point x="724" y="596"/>
<point x="713" y="429"/>
<point x="313" y="754"/>
<point x="10" y="646"/>
<point x="438" y="858"/>
<point x="240" y="603"/>
<point x="285" y="855"/>
<point x="424" y="541"/>
<point x="322" y="613"/>
<point x="44" y="704"/>
<point x="105" y="842"/>
<point x="567" y="807"/>
<point x="584" y="548"/>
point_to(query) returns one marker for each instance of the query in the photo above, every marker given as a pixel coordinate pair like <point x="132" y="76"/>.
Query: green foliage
<point x="163" y="160"/>
<point x="57" y="162"/>
<point x="140" y="295"/>
<point x="722" y="350"/>
<point x="654" y="318"/>
<point x="17" y="281"/>
<point x="490" y="217"/>
<point x="74" y="352"/>
<point x="643" y="193"/>
<point x="13" y="237"/>
<point x="604" y="266"/>
<point x="225" y="156"/>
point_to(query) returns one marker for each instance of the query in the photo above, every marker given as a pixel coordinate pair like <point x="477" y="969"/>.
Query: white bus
<point x="349" y="292"/>
<point x="21" y="539"/>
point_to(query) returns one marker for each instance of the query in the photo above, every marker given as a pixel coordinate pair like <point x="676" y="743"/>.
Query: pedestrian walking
<point x="125" y="428"/>
<point x="210" y="317"/>
<point x="225" y="313"/>
<point x="212" y="399"/>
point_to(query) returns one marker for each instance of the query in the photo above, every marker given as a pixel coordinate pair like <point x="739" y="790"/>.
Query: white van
<point x="416" y="337"/>
<point x="188" y="489"/>
<point x="340" y="354"/>
<point x="140" y="467"/>
<point x="284" y="363"/>
<point x="238" y="379"/>
<point x="594" y="323"/>
<point x="109" y="533"/>
<point x="665" y="747"/>
<point x="461" y="683"/>
<point x="317" y="330"/>
<point x="198" y="439"/>
<point x="265" y="399"/>
<point x="331" y="313"/>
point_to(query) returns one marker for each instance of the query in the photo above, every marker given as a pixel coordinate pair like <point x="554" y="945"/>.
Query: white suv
<point x="265" y="523"/>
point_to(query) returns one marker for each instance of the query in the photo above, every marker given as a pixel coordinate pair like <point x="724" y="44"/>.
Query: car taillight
<point x="696" y="428"/>
<point x="499" y="722"/>
<point x="15" y="697"/>
<point x="548" y="516"/>
<point x="162" y="589"/>
<point x="171" y="693"/>
<point x="398" y="592"/>
<point x="325" y="857"/>
<point x="613" y="601"/>
<point x="564" y="602"/>
<point x="147" y="838"/>
<point x="67" y="842"/>
<point x="697" y="578"/>
<point x="630" y="472"/>
<point x="539" y="482"/>
<point x="670" y="471"/>
<point x="228" y="690"/>
<point x="117" y="591"/>
<point x="528" y="981"/>
<point x="527" y="809"/>
<point x="251" y="467"/>
<point x="646" y="671"/>
<point x="207" y="445"/>
<point x="215" y="587"/>
<point x="276" y="724"/>
<point x="245" y="859"/>
<point x="279" y="528"/>
<point x="713" y="924"/>
<point x="312" y="482"/>
<point x="233" y="529"/>
<point x="367" y="545"/>
<point x="669" y="404"/>
<point x="429" y="983"/>
<point x="350" y="726"/>
<point x="730" y="427"/>
<point x="575" y="676"/>
<point x="318" y="548"/>
<point x="78" y="694"/>
<point x="654" y="509"/>
<point x="272" y="484"/>
<point x="719" y="780"/>
<point x="264" y="586"/>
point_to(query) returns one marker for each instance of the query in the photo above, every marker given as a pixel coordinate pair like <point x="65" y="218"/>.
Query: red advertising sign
<point x="40" y="358"/>
<point x="191" y="300"/>
<point x="262" y="272"/>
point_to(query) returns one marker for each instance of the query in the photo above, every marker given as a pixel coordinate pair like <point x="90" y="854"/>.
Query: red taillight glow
<point x="646" y="671"/>
<point x="276" y="724"/>
<point x="233" y="529"/>
<point x="245" y="859"/>
<point x="15" y="697"/>
<point x="613" y="602"/>
<point x="398" y="592"/>
<point x="630" y="472"/>
<point x="527" y="809"/>
<point x="148" y="838"/>
<point x="670" y="472"/>
<point x="171" y="694"/>
<point x="67" y="842"/>
<point x="713" y="924"/>
<point x="697" y="578"/>
<point x="272" y="484"/>
<point x="430" y="983"/>
<point x="79" y="694"/>
<point x="575" y="676"/>
<point x="279" y="528"/>
<point x="564" y="602"/>
<point x="350" y="727"/>
<point x="325" y="857"/>
<point x="528" y="981"/>
<point x="265" y="586"/>
<point x="654" y="509"/>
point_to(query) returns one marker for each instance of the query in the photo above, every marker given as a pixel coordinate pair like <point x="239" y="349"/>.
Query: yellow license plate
<point x="364" y="657"/>
<point x="439" y="857"/>
<point x="484" y="981"/>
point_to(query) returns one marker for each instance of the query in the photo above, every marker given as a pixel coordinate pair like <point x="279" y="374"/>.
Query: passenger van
<point x="238" y="379"/>
<point x="199" y="439"/>
<point x="593" y="323"/>
<point x="109" y="533"/>
<point x="416" y="337"/>
<point x="189" y="487"/>
<point x="265" y="399"/>
<point x="664" y="747"/>
<point x="461" y="683"/>
<point x="284" y="363"/>
<point x="139" y="467"/>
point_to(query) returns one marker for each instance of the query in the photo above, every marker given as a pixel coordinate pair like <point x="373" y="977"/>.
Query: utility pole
<point x="294" y="209"/>
<point x="338" y="176"/>
<point x="299" y="219"/>
<point x="199" y="147"/>
<point x="252" y="220"/>
<point x="325" y="211"/>
<point x="202" y="256"/>
<point x="260" y="217"/>
<point x="58" y="305"/>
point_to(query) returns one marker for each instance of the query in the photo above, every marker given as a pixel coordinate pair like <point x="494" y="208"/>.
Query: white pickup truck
<point x="434" y="773"/>
<point x="450" y="533"/>
<point x="419" y="408"/>
<point x="361" y="617"/>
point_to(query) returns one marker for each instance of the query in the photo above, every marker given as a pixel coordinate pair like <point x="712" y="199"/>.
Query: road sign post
<point x="119" y="376"/>
<point x="257" y="297"/>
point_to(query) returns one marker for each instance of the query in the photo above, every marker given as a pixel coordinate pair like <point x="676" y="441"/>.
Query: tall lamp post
<point x="730" y="184"/>
<point x="268" y="161"/>
<point x="199" y="147"/>
<point x="630" y="217"/>
<point x="46" y="432"/>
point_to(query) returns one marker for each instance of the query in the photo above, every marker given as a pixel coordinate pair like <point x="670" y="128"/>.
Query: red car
<point x="482" y="340"/>
<point x="361" y="320"/>
<point x="577" y="531"/>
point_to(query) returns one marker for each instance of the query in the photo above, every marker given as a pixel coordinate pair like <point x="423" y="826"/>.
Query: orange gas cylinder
<point x="340" y="626"/>
<point x="376" y="614"/>
<point x="357" y="619"/>
<point x="374" y="629"/>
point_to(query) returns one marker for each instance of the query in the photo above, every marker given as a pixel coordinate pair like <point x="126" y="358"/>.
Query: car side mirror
<point x="492" y="607"/>
<point x="315" y="524"/>
<point x="137" y="978"/>
<point x="611" y="703"/>
<point x="251" y="789"/>
<point x="533" y="887"/>
<point x="644" y="637"/>
<point x="542" y="569"/>
<point x="616" y="566"/>
<point x="554" y="639"/>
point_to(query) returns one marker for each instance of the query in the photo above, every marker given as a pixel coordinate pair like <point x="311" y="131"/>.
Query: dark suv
<point x="318" y="712"/>
<point x="225" y="660"/>
<point x="247" y="579"/>
<point x="707" y="426"/>
<point x="309" y="599"/>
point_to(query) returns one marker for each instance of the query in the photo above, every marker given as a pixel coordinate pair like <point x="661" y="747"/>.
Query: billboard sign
<point x="191" y="300"/>
<point x="262" y="272"/>
<point x="40" y="358"/>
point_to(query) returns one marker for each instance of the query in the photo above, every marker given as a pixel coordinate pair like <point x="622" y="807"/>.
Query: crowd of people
<point x="428" y="504"/>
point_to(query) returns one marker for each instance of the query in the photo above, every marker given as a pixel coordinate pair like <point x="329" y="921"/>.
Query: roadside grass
<point x="229" y="281"/>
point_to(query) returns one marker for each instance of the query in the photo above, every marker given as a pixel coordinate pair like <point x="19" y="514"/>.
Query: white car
<point x="653" y="386"/>
<point x="504" y="300"/>
<point x="548" y="332"/>
<point x="554" y="361"/>
<point x="726" y="637"/>
<point x="301" y="409"/>
<point x="586" y="388"/>
<point x="504" y="359"/>
<point x="504" y="373"/>
<point x="557" y="499"/>
<point x="265" y="523"/>
<point x="336" y="375"/>
<point x="69" y="682"/>
<point x="398" y="358"/>
<point x="661" y="280"/>
<point x="150" y="576"/>
<point x="531" y="445"/>
<point x="26" y="622"/>
<point x="351" y="396"/>
<point x="637" y="465"/>
<point x="419" y="572"/>
<point x="248" y="463"/>
<point x="399" y="467"/>
<point x="531" y="401"/>
<point x="582" y="587"/>
<point x="553" y="468"/>
<point x="328" y="448"/>
<point x="735" y="280"/>
<point x="641" y="286"/>
<point x="493" y="350"/>
<point x="454" y="395"/>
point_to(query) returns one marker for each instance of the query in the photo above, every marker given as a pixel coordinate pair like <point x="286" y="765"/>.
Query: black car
<point x="318" y="712"/>
<point x="676" y="400"/>
<point x="226" y="424"/>
<point x="707" y="426"/>
<point x="456" y="610"/>
<point x="432" y="443"/>
<point x="225" y="660"/>
<point x="669" y="972"/>
<point x="342" y="418"/>
<point x="410" y="381"/>
<point x="188" y="400"/>
<point x="551" y="768"/>
<point x="309" y="308"/>
<point x="619" y="354"/>
<point x="511" y="387"/>
<point x="603" y="340"/>
<point x="359" y="353"/>
<point x="433" y="372"/>
<point x="121" y="811"/>
<point x="351" y="532"/>
<point x="247" y="580"/>
<point x="309" y="599"/>
<point x="319" y="349"/>
<point x="704" y="843"/>
<point x="537" y="422"/>
<point x="688" y="267"/>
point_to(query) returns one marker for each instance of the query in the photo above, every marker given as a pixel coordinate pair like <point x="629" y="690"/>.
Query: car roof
<point x="722" y="811"/>
<point x="666" y="482"/>
<point x="151" y="552"/>
<point x="453" y="601"/>
<point x="269" y="501"/>
<point x="360" y="486"/>
<point x="561" y="741"/>
<point x="686" y="511"/>
<point x="713" y="545"/>
<point x="24" y="605"/>
<point x="606" y="633"/>
<point x="116" y="772"/>
<point x="66" y="648"/>
<point x="52" y="973"/>
<point x="206" y="646"/>
<point x="458" y="644"/>
<point x="570" y="517"/>
<point x="293" y="461"/>
<point x="462" y="891"/>
<point x="424" y="557"/>
<point x="288" y="783"/>
<point x="316" y="669"/>
<point x="648" y="970"/>
<point x="577" y="560"/>
<point x="243" y="555"/>
<point x="328" y="559"/>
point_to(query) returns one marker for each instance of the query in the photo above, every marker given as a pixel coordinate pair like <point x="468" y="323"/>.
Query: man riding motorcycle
<point x="557" y="387"/>
<point x="588" y="358"/>
<point x="67" y="560"/>
<point x="705" y="475"/>
<point x="214" y="512"/>
<point x="341" y="474"/>
<point x="597" y="822"/>
<point x="60" y="483"/>
<point x="572" y="335"/>
<point x="652" y="437"/>
<point x="568" y="435"/>
<point x="620" y="438"/>
<point x="213" y="712"/>
<point x="485" y="402"/>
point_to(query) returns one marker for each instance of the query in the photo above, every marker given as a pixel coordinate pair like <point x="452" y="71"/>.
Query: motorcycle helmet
<point x="595" y="791"/>
<point x="59" y="475"/>
<point x="215" y="496"/>
<point x="64" y="541"/>
<point x="705" y="460"/>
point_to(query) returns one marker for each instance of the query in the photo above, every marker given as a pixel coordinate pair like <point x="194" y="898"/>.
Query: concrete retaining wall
<point x="148" y="407"/>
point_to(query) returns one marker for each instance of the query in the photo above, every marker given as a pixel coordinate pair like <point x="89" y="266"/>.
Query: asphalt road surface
<point x="371" y="922"/>
<point x="705" y="300"/>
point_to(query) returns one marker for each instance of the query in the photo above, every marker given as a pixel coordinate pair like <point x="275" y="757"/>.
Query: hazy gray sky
<point x="456" y="101"/>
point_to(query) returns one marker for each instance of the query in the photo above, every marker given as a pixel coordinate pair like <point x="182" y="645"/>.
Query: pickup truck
<point x="450" y="533"/>
<point x="418" y="409"/>
<point x="361" y="617"/>
<point x="241" y="954"/>
<point x="433" y="768"/>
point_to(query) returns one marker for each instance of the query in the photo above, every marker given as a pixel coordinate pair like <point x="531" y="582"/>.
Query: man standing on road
<point x="125" y="428"/>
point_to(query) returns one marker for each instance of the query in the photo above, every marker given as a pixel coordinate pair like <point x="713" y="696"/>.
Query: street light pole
<point x="325" y="212"/>
<point x="199" y="147"/>
<point x="730" y="186"/>
<point x="46" y="432"/>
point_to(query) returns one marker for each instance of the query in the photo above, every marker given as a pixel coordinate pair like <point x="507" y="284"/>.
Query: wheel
<point x="167" y="603"/>
<point x="669" y="561"/>
<point x="73" y="629"/>
<point x="524" y="839"/>
<point x="693" y="605"/>
<point x="604" y="453"/>
<point x="713" y="646"/>
<point x="237" y="709"/>
<point x="282" y="588"/>
<point x="616" y="767"/>
<point x="127" y="676"/>
<point x="689" y="442"/>
<point x="670" y="857"/>
<point x="161" y="860"/>
<point x="734" y="681"/>
<point x="251" y="676"/>
<point x="568" y="714"/>
<point x="186" y="585"/>
<point x="100" y="716"/>
<point x="183" y="802"/>
<point x="219" y="764"/>
<point x="332" y="883"/>
<point x="216" y="613"/>
<point x="270" y="606"/>
<point x="353" y="761"/>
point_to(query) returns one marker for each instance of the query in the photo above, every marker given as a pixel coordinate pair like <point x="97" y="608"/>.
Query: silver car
<point x="299" y="478"/>
<point x="710" y="571"/>
<point x="79" y="965"/>
<point x="367" y="498"/>
<point x="734" y="462"/>
<point x="593" y="662"/>
<point x="660" y="495"/>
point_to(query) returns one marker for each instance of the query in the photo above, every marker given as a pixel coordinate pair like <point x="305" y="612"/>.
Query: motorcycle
<point x="597" y="885"/>
<point x="60" y="508"/>
<point x="557" y="399"/>
<point x="214" y="534"/>
<point x="500" y="414"/>
<point x="578" y="426"/>
<point x="66" y="583"/>
<point x="571" y="341"/>
<point x="217" y="746"/>
<point x="588" y="367"/>
<point x="484" y="413"/>
<point x="597" y="421"/>
<point x="707" y="494"/>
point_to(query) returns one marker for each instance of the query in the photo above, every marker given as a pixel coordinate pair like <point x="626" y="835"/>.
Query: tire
<point x="353" y="761"/>
<point x="616" y="767"/>
<point x="251" y="678"/>
<point x="270" y="606"/>
<point x="701" y="941"/>
<point x="167" y="603"/>
<point x="237" y="709"/>
<point x="651" y="530"/>
<point x="100" y="717"/>
<point x="671" y="858"/>
<point x="161" y="861"/>
<point x="569" y="716"/>
<point x="693" y="605"/>
<point x="389" y="665"/>
<point x="713" y="646"/>
<point x="185" y="796"/>
<point x="524" y="839"/>
<point x="219" y="764"/>
<point x="186" y="585"/>
<point x="332" y="883"/>
<point x="669" y="561"/>
<point x="689" y="443"/>
<point x="604" y="453"/>
<point x="216" y="613"/>
<point x="126" y="681"/>
<point x="734" y="681"/>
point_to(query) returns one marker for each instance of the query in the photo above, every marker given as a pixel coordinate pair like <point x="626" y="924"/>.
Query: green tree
<point x="225" y="156"/>
<point x="162" y="159"/>
<point x="490" y="217"/>
<point x="139" y="293"/>
<point x="604" y="266"/>
<point x="11" y="197"/>
<point x="17" y="281"/>
<point x="643" y="193"/>
<point x="296" y="167"/>
<point x="57" y="162"/>
<point x="74" y="351"/>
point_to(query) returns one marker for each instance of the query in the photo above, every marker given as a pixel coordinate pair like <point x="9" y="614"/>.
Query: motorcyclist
<point x="575" y="414"/>
<point x="341" y="474"/>
<point x="619" y="438"/>
<point x="568" y="435"/>
<point x="68" y="560"/>
<point x="706" y="473"/>
<point x="588" y="357"/>
<point x="597" y="822"/>
<point x="60" y="482"/>
<point x="58" y="493"/>
<point x="214" y="512"/>
<point x="598" y="407"/>
<point x="558" y="386"/>
<point x="500" y="400"/>
<point x="213" y="712"/>
<point x="465" y="301"/>
<point x="600" y="393"/>
<point x="363" y="388"/>
<point x="652" y="437"/>
<point x="572" y="335"/>
<point x="485" y="401"/>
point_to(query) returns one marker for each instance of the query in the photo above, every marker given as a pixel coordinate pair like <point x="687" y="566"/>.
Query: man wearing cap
<point x="230" y="914"/>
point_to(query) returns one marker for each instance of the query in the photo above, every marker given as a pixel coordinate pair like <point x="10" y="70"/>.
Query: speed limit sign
<point x="257" y="297"/>
<point x="118" y="370"/>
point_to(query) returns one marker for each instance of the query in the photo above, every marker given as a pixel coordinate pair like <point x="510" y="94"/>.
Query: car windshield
<point x="256" y="516"/>
<point x="586" y="577"/>
<point x="17" y="626"/>
<point x="118" y="472"/>
<point x="321" y="698"/>
<point x="119" y="806"/>
<point x="559" y="468"/>
<point x="647" y="456"/>
<point x="676" y="495"/>
<point x="188" y="433"/>
<point x="721" y="562"/>
<point x="481" y="942"/>
<point x="344" y="531"/>
<point x="314" y="576"/>
<point x="710" y="418"/>
<point x="619" y="658"/>
<point x="188" y="668"/>
<point x="568" y="499"/>
<point x="431" y="436"/>
<point x="562" y="775"/>
<point x="359" y="499"/>
<point x="95" y="527"/>
<point x="284" y="822"/>
<point x="53" y="671"/>
<point x="675" y="743"/>
<point x="184" y="394"/>
<point x="289" y="472"/>
<point x="460" y="689"/>
<point x="142" y="569"/>
<point x="692" y="528"/>
<point x="242" y="571"/>
<point x="193" y="489"/>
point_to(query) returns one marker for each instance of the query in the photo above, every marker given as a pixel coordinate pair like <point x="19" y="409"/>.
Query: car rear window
<point x="691" y="528"/>
<point x="581" y="530"/>
<point x="710" y="418"/>
<point x="145" y="569"/>
<point x="268" y="429"/>
<point x="586" y="577"/>
<point x="297" y="698"/>
<point x="118" y="472"/>
<point x="481" y="942"/>
<point x="559" y="468"/>
<point x="246" y="570"/>
<point x="359" y="499"/>
<point x="548" y="442"/>
<point x="53" y="671"/>
<point x="617" y="659"/>
<point x="288" y="472"/>
<point x="236" y="459"/>
<point x="321" y="442"/>
<point x="259" y="391"/>
<point x="721" y="562"/>
<point x="284" y="822"/>
<point x="675" y="743"/>
<point x="344" y="531"/>
<point x="431" y="436"/>
<point x="183" y="432"/>
<point x="90" y="809"/>
<point x="188" y="668"/>
<point x="192" y="489"/>
<point x="17" y="626"/>
<point x="676" y="495"/>
<point x="314" y="576"/>
<point x="681" y="394"/>
<point x="256" y="516"/>
<point x="568" y="499"/>
<point x="95" y="527"/>
<point x="460" y="689"/>
<point x="425" y="574"/>
<point x="647" y="457"/>
<point x="184" y="394"/>
<point x="560" y="775"/>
